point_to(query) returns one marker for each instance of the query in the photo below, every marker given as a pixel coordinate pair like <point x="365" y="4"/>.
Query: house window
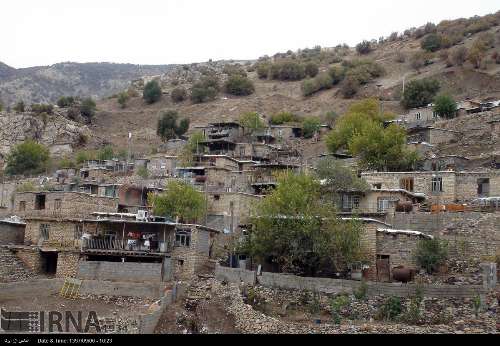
<point x="216" y="197"/>
<point x="57" y="204"/>
<point x="377" y="186"/>
<point x="483" y="187"/>
<point x="418" y="116"/>
<point x="22" y="205"/>
<point x="406" y="184"/>
<point x="40" y="202"/>
<point x="437" y="184"/>
<point x="434" y="115"/>
<point x="350" y="202"/>
<point x="183" y="238"/>
<point x="382" y="204"/>
<point x="78" y="232"/>
<point x="44" y="231"/>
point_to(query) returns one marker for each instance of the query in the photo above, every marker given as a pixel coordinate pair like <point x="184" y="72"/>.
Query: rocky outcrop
<point x="58" y="133"/>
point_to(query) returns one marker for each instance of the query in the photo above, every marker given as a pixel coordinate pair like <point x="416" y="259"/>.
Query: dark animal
<point x="403" y="274"/>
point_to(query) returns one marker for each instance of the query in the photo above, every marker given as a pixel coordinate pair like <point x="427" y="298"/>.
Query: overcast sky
<point x="44" y="32"/>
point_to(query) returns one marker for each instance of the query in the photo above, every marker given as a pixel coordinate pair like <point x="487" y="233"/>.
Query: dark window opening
<point x="22" y="206"/>
<point x="40" y="202"/>
<point x="183" y="238"/>
<point x="483" y="187"/>
<point x="407" y="184"/>
<point x="44" y="232"/>
<point x="49" y="262"/>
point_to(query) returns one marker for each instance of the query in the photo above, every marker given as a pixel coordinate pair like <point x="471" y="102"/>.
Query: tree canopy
<point x="419" y="93"/>
<point x="27" y="158"/>
<point x="151" y="92"/>
<point x="169" y="127"/>
<point x="180" y="201"/>
<point x="251" y="122"/>
<point x="295" y="229"/>
<point x="445" y="106"/>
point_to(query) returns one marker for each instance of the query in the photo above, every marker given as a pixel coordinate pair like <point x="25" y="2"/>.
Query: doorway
<point x="383" y="268"/>
<point x="49" y="262"/>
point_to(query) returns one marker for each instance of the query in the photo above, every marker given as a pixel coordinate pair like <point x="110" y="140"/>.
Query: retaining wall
<point x="120" y="271"/>
<point x="332" y="286"/>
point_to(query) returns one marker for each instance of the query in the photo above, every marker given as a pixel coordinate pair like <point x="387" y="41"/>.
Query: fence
<point x="334" y="286"/>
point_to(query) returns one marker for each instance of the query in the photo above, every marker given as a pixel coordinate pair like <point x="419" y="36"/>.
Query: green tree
<point x="295" y="229"/>
<point x="419" y="93"/>
<point x="19" y="107"/>
<point x="239" y="85"/>
<point x="168" y="126"/>
<point x="152" y="92"/>
<point x="123" y="98"/>
<point x="352" y="122"/>
<point x="336" y="177"/>
<point x="106" y="153"/>
<point x="283" y="118"/>
<point x="364" y="47"/>
<point x="251" y="122"/>
<point x="180" y="201"/>
<point x="431" y="253"/>
<point x="311" y="69"/>
<point x="432" y="42"/>
<point x="88" y="108"/>
<point x="383" y="149"/>
<point x="310" y="126"/>
<point x="445" y="106"/>
<point x="27" y="158"/>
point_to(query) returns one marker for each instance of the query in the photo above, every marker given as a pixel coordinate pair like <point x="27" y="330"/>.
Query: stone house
<point x="162" y="166"/>
<point x="418" y="116"/>
<point x="60" y="204"/>
<point x="182" y="250"/>
<point x="263" y="177"/>
<point x="440" y="187"/>
<point x="445" y="163"/>
<point x="228" y="210"/>
<point x="278" y="133"/>
<point x="431" y="135"/>
<point x="229" y="130"/>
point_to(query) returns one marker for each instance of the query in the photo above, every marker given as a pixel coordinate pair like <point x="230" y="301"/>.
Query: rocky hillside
<point x="395" y="55"/>
<point x="48" y="83"/>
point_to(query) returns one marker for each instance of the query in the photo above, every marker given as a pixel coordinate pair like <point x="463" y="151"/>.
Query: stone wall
<point x="118" y="271"/>
<point x="400" y="248"/>
<point x="31" y="258"/>
<point x="188" y="260"/>
<point x="61" y="233"/>
<point x="333" y="286"/>
<point x="62" y="205"/>
<point x="471" y="235"/>
<point x="11" y="233"/>
<point x="67" y="264"/>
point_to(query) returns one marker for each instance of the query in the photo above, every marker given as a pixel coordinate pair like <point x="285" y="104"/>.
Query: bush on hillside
<point x="419" y="93"/>
<point x="168" y="126"/>
<point x="311" y="69"/>
<point x="205" y="90"/>
<point x="445" y="106"/>
<point x="322" y="81"/>
<point x="66" y="101"/>
<point x="39" y="108"/>
<point x="152" y="92"/>
<point x="283" y="118"/>
<point x="350" y="87"/>
<point x="310" y="126"/>
<point x="88" y="108"/>
<point x="178" y="94"/>
<point x="432" y="42"/>
<point x="123" y="98"/>
<point x="364" y="47"/>
<point x="239" y="85"/>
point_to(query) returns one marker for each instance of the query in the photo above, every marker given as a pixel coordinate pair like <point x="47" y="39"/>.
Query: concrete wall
<point x="118" y="271"/>
<point x="236" y="275"/>
<point x="332" y="286"/>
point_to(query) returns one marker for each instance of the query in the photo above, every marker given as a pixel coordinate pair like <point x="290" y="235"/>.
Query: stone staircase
<point x="12" y="268"/>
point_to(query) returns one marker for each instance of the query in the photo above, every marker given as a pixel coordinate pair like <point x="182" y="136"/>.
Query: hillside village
<point x="274" y="209"/>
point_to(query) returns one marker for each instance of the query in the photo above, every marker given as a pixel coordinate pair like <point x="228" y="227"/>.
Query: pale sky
<point x="44" y="32"/>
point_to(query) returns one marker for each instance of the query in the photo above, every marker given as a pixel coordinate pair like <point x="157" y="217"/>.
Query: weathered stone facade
<point x="67" y="264"/>
<point x="227" y="210"/>
<point x="11" y="232"/>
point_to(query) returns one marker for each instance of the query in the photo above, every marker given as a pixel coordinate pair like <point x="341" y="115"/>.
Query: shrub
<point x="311" y="69"/>
<point x="178" y="94"/>
<point x="350" y="87"/>
<point x="152" y="92"/>
<point x="419" y="93"/>
<point x="65" y="101"/>
<point x="105" y="153"/>
<point x="123" y="98"/>
<point x="320" y="82"/>
<point x="364" y="47"/>
<point x="336" y="306"/>
<point x="445" y="106"/>
<point x="169" y="128"/>
<point x="361" y="292"/>
<point x="431" y="253"/>
<point x="251" y="121"/>
<point x="232" y="70"/>
<point x="363" y="70"/>
<point x="337" y="73"/>
<point x="459" y="55"/>
<point x="143" y="172"/>
<point x="390" y="309"/>
<point x="432" y="42"/>
<point x="88" y="108"/>
<point x="283" y="118"/>
<point x="27" y="158"/>
<point x="331" y="117"/>
<point x="205" y="90"/>
<point x="239" y="86"/>
<point x="420" y="59"/>
<point x="310" y="126"/>
<point x="287" y="70"/>
<point x="263" y="70"/>
<point x="42" y="108"/>
<point x="19" y="107"/>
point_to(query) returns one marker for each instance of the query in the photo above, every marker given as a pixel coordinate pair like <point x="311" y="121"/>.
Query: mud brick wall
<point x="31" y="258"/>
<point x="194" y="257"/>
